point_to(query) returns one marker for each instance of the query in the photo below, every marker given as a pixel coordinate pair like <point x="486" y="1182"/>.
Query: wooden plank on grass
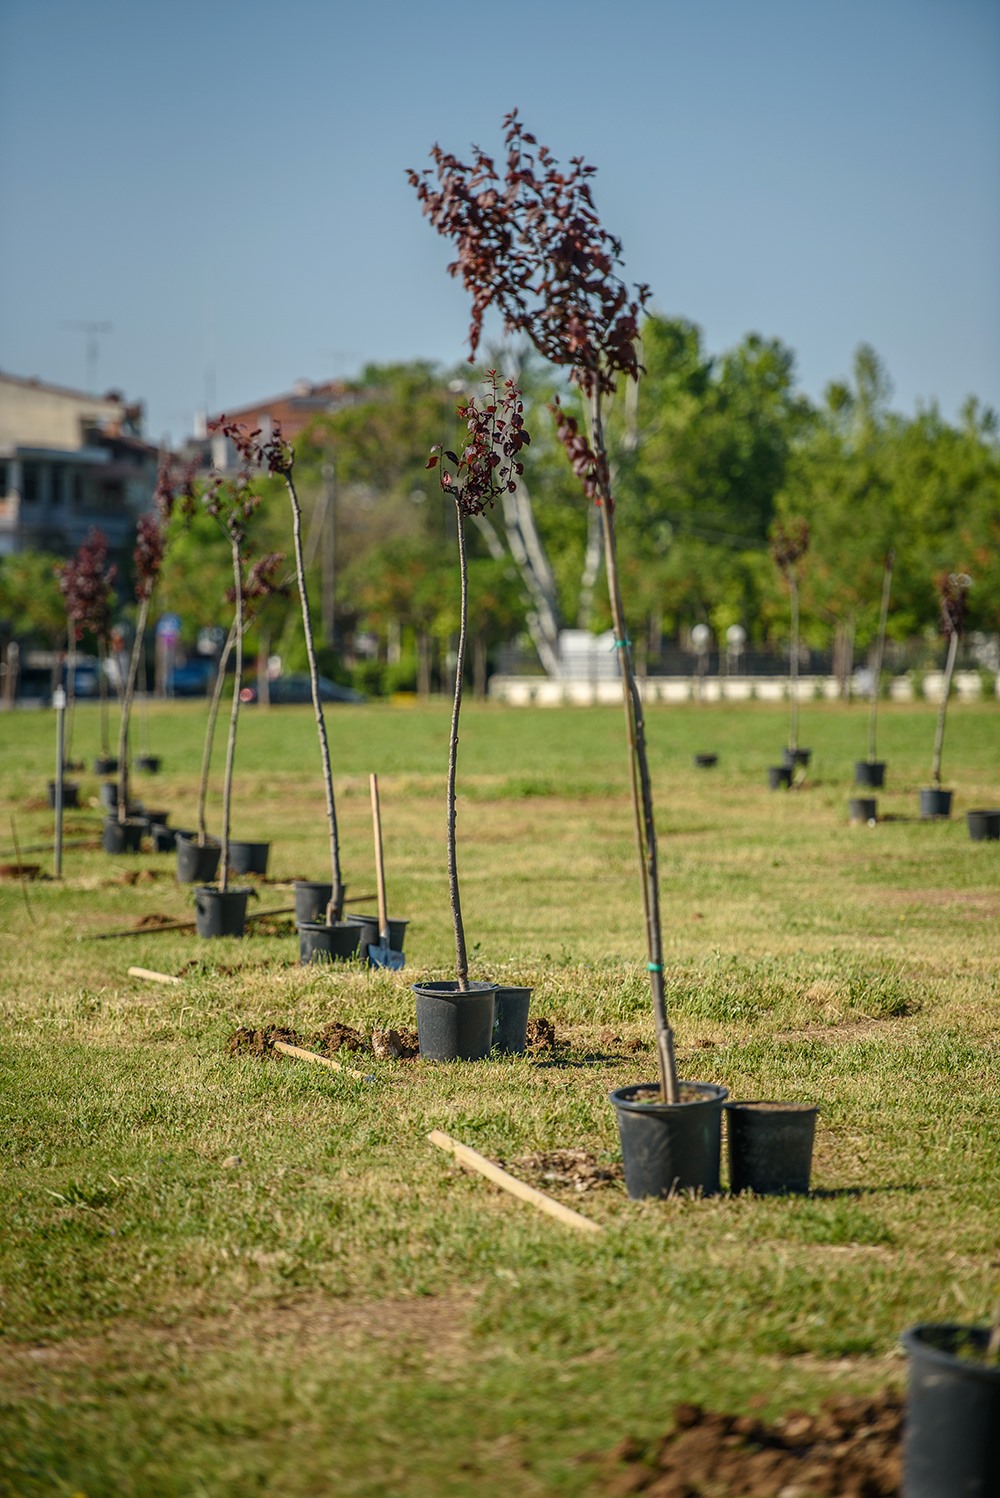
<point x="523" y="1192"/>
<point x="146" y="972"/>
<point x="301" y="1055"/>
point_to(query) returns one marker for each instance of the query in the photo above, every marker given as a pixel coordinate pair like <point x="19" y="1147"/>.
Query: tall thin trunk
<point x="793" y="665"/>
<point x="945" y="694"/>
<point x="642" y="793"/>
<point x="129" y="694"/>
<point x="213" y="713"/>
<point x="461" y="956"/>
<point x="227" y="784"/>
<point x="335" y="909"/>
<point x="591" y="569"/>
<point x="879" y="652"/>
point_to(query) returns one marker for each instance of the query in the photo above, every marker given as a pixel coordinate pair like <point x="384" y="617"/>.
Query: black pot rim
<point x="914" y="1339"/>
<point x="223" y="894"/>
<point x="714" y="1093"/>
<point x="192" y="837"/>
<point x="323" y="925"/>
<point x="773" y="1105"/>
<point x="984" y="811"/>
<point x="449" y="990"/>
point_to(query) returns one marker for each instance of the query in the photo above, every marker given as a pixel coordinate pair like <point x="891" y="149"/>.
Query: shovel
<point x="381" y="955"/>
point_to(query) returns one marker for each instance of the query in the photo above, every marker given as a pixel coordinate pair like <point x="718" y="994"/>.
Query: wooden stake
<point x="469" y="1157"/>
<point x="145" y="972"/>
<point x="301" y="1055"/>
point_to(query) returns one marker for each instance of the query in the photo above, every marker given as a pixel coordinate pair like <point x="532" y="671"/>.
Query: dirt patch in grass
<point x="153" y="919"/>
<point x="575" y="1169"/>
<point x="21" y="871"/>
<point x="851" y="1449"/>
<point x="395" y="1044"/>
<point x="438" y="1326"/>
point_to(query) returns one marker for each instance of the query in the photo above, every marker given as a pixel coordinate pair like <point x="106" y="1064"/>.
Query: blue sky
<point x="225" y="183"/>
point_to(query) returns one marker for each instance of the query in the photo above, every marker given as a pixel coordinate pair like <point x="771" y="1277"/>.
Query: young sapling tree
<point x="530" y="244"/>
<point x="486" y="469"/>
<point x="278" y="457"/>
<point x="953" y="590"/>
<point x="85" y="582"/>
<point x="883" y="619"/>
<point x="789" y="544"/>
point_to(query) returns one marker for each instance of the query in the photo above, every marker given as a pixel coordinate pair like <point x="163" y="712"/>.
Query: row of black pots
<point x="126" y="837"/>
<point x="198" y="863"/>
<point x="668" y="1147"/>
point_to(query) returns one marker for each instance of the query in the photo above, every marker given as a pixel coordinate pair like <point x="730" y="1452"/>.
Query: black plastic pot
<point x="793" y="757"/>
<point x="150" y="817"/>
<point x="779" y="777"/>
<point x="706" y="761"/>
<point x="149" y="762"/>
<point x="669" y="1147"/>
<point x="312" y="897"/>
<point x="769" y="1146"/>
<point x="863" y="809"/>
<point x="454" y="1024"/>
<point x="935" y="803"/>
<point x="984" y="826"/>
<point x="510" y="1020"/>
<point x="319" y="942"/>
<point x="123" y="837"/>
<point x="870" y="772"/>
<point x="109" y="794"/>
<point x="220" y="913"/>
<point x="105" y="765"/>
<point x="368" y="932"/>
<point x="951" y="1433"/>
<point x="248" y="858"/>
<point x="164" y="838"/>
<point x="196" y="864"/>
<point x="70" y="793"/>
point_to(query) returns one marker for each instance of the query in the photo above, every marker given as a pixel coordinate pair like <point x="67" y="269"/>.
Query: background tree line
<point x="709" y="453"/>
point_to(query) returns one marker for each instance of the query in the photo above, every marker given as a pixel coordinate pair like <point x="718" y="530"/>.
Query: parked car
<point x="296" y="687"/>
<point x="194" y="678"/>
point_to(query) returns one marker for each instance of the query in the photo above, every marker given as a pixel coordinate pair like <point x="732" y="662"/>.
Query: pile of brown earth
<point x="400" y="1044"/>
<point x="851" y="1449"/>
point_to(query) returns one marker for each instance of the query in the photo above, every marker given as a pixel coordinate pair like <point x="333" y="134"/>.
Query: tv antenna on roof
<point x="92" y="330"/>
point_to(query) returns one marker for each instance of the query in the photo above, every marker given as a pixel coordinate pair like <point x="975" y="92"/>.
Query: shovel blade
<point x="386" y="957"/>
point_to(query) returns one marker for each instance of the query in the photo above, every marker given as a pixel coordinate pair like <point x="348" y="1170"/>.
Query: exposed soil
<point x="398" y="1044"/>
<point x="851" y="1449"/>
<point x="577" y="1169"/>
<point x="540" y="1035"/>
<point x="245" y="1041"/>
<point x="20" y="871"/>
<point x="153" y="919"/>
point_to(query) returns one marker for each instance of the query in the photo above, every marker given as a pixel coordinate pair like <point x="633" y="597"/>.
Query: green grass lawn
<point x="226" y="1274"/>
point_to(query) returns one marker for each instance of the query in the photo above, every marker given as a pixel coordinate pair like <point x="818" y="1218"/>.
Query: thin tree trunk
<point x="133" y="671"/>
<point x="532" y="563"/>
<point x="213" y="713"/>
<point x="335" y="908"/>
<point x="227" y="784"/>
<point x="946" y="693"/>
<point x="793" y="666"/>
<point x="461" y="956"/>
<point x="642" y="794"/>
<point x="591" y="569"/>
<point x="879" y="652"/>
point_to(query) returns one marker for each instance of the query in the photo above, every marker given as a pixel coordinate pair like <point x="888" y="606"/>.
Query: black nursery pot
<point x="863" y="809"/>
<point x="951" y="1433"/>
<point x="319" y="942"/>
<point x="935" y="803"/>
<point x="196" y="864"/>
<point x="455" y="1024"/>
<point x="220" y="913"/>
<point x="109" y="794"/>
<point x="770" y="1146"/>
<point x="370" y="933"/>
<point x="248" y="858"/>
<point x="779" y="777"/>
<point x="668" y="1147"/>
<point x="70" y="793"/>
<point x="510" y="1020"/>
<point x="312" y="897"/>
<point x="105" y="765"/>
<point x="870" y="772"/>
<point x="164" y="838"/>
<point x="123" y="837"/>
<point x="984" y="826"/>
<point x="793" y="757"/>
<point x="149" y="762"/>
<point x="706" y="761"/>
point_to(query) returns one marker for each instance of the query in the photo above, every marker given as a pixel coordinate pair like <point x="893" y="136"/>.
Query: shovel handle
<point x="383" y="919"/>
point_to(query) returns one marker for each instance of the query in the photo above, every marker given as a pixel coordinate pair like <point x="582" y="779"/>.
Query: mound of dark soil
<point x="577" y="1169"/>
<point x="20" y="871"/>
<point x="540" y="1035"/>
<point x="338" y="1037"/>
<point x="851" y="1449"/>
<point x="248" y="1042"/>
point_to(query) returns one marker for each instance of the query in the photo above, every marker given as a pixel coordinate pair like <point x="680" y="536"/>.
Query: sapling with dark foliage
<point x="487" y="468"/>
<point x="883" y="619"/>
<point x="530" y="244"/>
<point x="85" y="582"/>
